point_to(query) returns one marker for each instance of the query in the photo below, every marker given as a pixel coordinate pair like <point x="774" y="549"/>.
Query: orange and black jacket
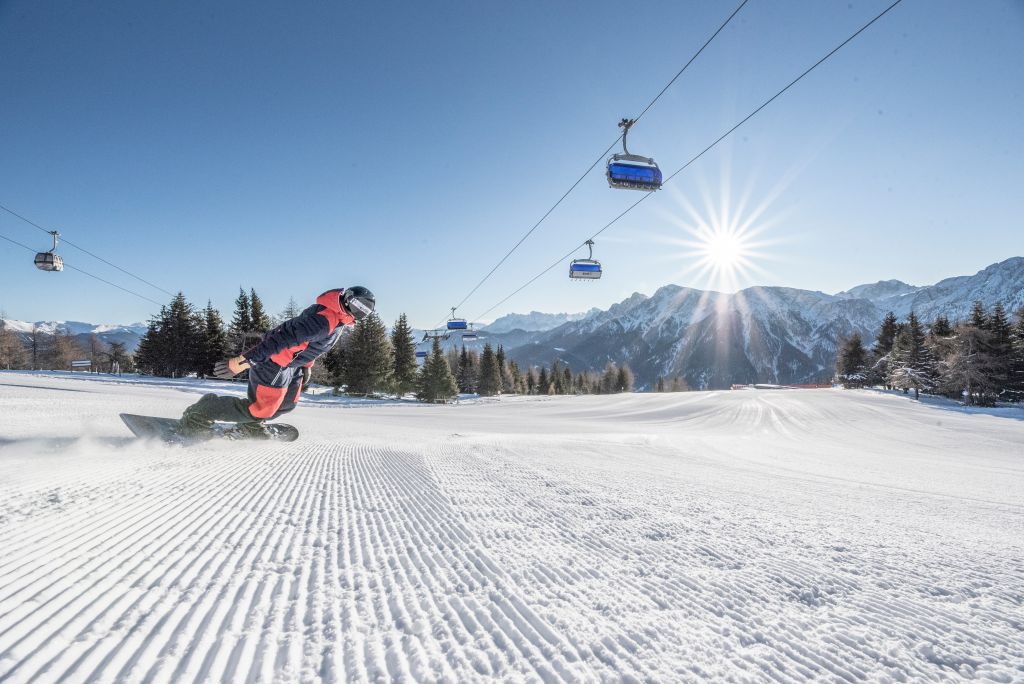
<point x="300" y="340"/>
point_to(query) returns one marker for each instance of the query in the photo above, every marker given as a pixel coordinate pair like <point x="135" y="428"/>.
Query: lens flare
<point x="722" y="245"/>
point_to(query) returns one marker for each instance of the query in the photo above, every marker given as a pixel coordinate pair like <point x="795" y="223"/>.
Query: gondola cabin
<point x="48" y="261"/>
<point x="631" y="172"/>
<point x="585" y="269"/>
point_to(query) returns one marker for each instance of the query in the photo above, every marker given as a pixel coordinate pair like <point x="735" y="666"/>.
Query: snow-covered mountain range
<point x="128" y="335"/>
<point x="535" y="321"/>
<point x="760" y="334"/>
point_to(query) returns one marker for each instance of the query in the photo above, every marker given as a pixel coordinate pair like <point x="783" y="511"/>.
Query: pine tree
<point x="215" y="340"/>
<point x="241" y="324"/>
<point x="911" y="364"/>
<point x="1015" y="379"/>
<point x="879" y="370"/>
<point x="148" y="354"/>
<point x="886" y="335"/>
<point x="403" y="348"/>
<point x="515" y="378"/>
<point x="258" y="315"/>
<point x="182" y="338"/>
<point x="435" y="382"/>
<point x="659" y="384"/>
<point x="567" y="380"/>
<point x="978" y="317"/>
<point x="466" y="375"/>
<point x="368" y="357"/>
<point x="506" y="381"/>
<point x="624" y="379"/>
<point x="334" y="362"/>
<point x="543" y="383"/>
<point x="120" y="361"/>
<point x="610" y="379"/>
<point x="940" y="328"/>
<point x="290" y="311"/>
<point x="489" y="381"/>
<point x="852" y="362"/>
<point x="1001" y="347"/>
<point x="967" y="371"/>
<point x="556" y="378"/>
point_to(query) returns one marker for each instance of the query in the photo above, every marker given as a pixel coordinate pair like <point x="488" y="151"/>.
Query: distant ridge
<point x="128" y="335"/>
<point x="757" y="335"/>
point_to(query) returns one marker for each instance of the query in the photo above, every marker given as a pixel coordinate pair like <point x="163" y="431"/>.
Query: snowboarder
<point x="278" y="366"/>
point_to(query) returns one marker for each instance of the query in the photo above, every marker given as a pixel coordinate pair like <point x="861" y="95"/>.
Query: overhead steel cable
<point x="83" y="249"/>
<point x="697" y="156"/>
<point x="95" y="277"/>
<point x="599" y="159"/>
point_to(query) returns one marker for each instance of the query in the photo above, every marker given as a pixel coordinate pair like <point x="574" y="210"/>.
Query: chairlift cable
<point x="82" y="249"/>
<point x="696" y="157"/>
<point x="600" y="158"/>
<point x="74" y="268"/>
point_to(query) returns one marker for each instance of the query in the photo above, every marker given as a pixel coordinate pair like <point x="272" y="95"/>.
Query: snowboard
<point x="166" y="429"/>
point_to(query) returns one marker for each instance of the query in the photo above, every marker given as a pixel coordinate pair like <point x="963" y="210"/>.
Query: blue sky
<point x="406" y="146"/>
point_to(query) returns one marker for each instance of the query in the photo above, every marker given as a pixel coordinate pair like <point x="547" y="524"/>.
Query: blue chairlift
<point x="421" y="355"/>
<point x="586" y="269"/>
<point x="457" y="323"/>
<point x="631" y="171"/>
<point x="50" y="261"/>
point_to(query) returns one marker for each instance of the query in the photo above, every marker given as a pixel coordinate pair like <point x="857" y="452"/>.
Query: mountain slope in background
<point x="128" y="335"/>
<point x="535" y="321"/>
<point x="760" y="334"/>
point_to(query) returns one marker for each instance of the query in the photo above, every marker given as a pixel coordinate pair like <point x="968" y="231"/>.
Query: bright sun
<point x="722" y="243"/>
<point x="723" y="249"/>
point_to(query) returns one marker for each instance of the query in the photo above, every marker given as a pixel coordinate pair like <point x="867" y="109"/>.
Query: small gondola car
<point x="631" y="171"/>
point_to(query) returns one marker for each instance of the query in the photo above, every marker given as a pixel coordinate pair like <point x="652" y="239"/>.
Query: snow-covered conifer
<point x="489" y="380"/>
<point x="258" y="315"/>
<point x="404" y="354"/>
<point x="436" y="382"/>
<point x="852" y="362"/>
<point x="368" y="358"/>
<point x="911" y="364"/>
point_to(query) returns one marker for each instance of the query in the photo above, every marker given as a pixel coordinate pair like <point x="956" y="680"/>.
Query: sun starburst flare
<point x="723" y="245"/>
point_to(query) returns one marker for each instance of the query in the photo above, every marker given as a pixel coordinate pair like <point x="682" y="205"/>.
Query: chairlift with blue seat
<point x="631" y="171"/>
<point x="50" y="261"/>
<point x="421" y="354"/>
<point x="457" y="323"/>
<point x="586" y="269"/>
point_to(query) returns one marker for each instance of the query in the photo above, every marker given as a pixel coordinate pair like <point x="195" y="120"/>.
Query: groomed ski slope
<point x="727" y="536"/>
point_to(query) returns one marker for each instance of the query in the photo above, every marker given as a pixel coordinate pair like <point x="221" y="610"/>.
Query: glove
<point x="229" y="368"/>
<point x="307" y="373"/>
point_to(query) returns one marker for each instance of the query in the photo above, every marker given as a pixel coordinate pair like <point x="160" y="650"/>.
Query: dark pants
<point x="273" y="391"/>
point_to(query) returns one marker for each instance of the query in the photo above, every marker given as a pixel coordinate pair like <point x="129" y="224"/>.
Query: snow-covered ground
<point x="786" y="535"/>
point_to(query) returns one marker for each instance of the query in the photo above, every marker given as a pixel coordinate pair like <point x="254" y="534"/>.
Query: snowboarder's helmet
<point x="358" y="301"/>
